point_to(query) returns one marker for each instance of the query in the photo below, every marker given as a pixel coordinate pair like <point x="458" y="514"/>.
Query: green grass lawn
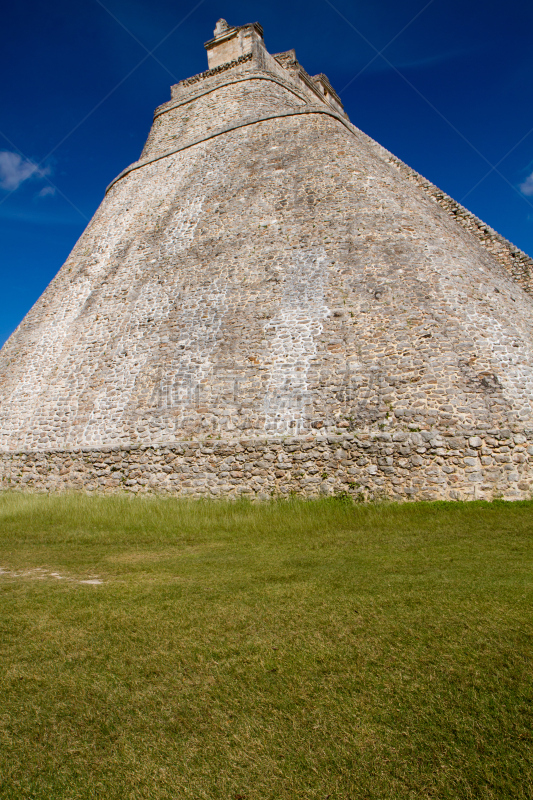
<point x="286" y="650"/>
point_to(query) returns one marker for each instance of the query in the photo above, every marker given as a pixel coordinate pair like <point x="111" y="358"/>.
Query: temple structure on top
<point x="268" y="302"/>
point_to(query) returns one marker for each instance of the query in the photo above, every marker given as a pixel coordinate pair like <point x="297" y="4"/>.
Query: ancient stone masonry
<point x="269" y="302"/>
<point x="514" y="260"/>
<point x="401" y="466"/>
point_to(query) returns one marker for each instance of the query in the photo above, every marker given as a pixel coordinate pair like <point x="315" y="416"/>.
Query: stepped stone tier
<point x="269" y="302"/>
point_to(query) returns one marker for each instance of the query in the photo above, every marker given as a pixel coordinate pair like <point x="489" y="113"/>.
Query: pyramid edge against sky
<point x="268" y="302"/>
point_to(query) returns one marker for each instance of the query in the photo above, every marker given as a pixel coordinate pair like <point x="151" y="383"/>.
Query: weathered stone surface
<point x="269" y="302"/>
<point x="361" y="465"/>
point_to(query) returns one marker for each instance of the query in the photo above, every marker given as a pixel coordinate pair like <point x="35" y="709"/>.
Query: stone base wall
<point x="405" y="465"/>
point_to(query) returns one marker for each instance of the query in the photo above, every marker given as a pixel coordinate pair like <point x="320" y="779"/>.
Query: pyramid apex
<point x="230" y="42"/>
<point x="221" y="27"/>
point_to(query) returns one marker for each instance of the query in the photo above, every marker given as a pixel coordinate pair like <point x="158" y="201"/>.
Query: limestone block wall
<point x="515" y="261"/>
<point x="218" y="96"/>
<point x="267" y="278"/>
<point x="406" y="465"/>
<point x="286" y="68"/>
<point x="230" y="288"/>
<point x="216" y="108"/>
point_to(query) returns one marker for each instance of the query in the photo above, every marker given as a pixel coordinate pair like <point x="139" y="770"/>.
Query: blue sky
<point x="445" y="85"/>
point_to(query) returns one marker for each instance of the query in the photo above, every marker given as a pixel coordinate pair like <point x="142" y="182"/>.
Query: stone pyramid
<point x="269" y="302"/>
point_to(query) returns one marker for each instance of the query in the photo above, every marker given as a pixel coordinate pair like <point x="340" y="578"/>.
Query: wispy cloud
<point x="47" y="191"/>
<point x="408" y="62"/>
<point x="14" y="170"/>
<point x="527" y="186"/>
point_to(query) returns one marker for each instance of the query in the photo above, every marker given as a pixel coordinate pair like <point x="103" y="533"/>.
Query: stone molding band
<point x="251" y="77"/>
<point x="241" y="124"/>
<point x="209" y="73"/>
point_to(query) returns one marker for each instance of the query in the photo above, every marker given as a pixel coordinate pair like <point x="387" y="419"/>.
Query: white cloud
<point x="527" y="187"/>
<point x="46" y="191"/>
<point x="14" y="170"/>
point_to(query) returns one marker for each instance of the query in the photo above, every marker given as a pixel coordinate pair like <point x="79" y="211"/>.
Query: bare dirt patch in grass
<point x="41" y="574"/>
